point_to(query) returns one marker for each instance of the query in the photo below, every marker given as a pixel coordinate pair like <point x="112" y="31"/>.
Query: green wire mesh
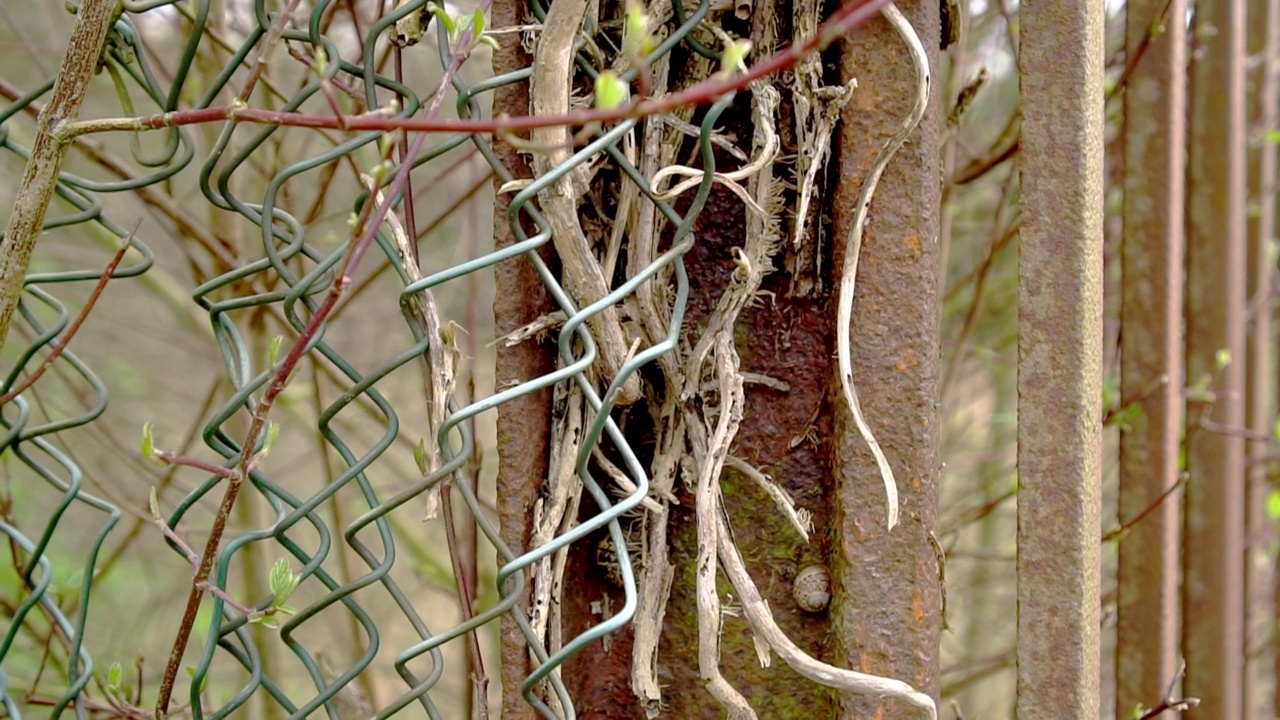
<point x="302" y="268"/>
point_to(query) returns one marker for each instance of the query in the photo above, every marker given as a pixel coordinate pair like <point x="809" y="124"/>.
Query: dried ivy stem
<point x="84" y="49"/>
<point x="584" y="278"/>
<point x="766" y="631"/>
<point x="844" y="318"/>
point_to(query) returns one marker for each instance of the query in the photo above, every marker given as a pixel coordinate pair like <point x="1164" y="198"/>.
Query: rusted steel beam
<point x="1213" y="559"/>
<point x="1151" y="352"/>
<point x="887" y="613"/>
<point x="1060" y="358"/>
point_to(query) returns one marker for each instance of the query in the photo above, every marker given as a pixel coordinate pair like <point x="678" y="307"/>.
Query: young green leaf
<point x="204" y="681"/>
<point x="1273" y="504"/>
<point x="273" y="434"/>
<point x="460" y="26"/>
<point x="420" y="456"/>
<point x="148" y="444"/>
<point x="282" y="582"/>
<point x="734" y="57"/>
<point x="154" y="503"/>
<point x="273" y="352"/>
<point x="1126" y="416"/>
<point x="279" y="578"/>
<point x="1201" y="390"/>
<point x="637" y="41"/>
<point x="1222" y="358"/>
<point x="443" y="17"/>
<point x="477" y="23"/>
<point x="115" y="674"/>
<point x="611" y="91"/>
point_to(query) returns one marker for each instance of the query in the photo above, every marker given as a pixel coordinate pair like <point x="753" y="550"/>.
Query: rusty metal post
<point x="1260" y="398"/>
<point x="524" y="425"/>
<point x="888" y="609"/>
<point x="1151" y="352"/>
<point x="1212" y="569"/>
<point x="1060" y="358"/>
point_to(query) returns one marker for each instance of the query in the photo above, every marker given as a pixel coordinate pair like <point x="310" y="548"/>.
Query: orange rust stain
<point x="917" y="607"/>
<point x="866" y="100"/>
<point x="914" y="244"/>
<point x="908" y="359"/>
<point x="915" y="483"/>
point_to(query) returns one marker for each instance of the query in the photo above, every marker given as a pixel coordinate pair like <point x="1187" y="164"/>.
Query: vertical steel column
<point x="1060" y="358"/>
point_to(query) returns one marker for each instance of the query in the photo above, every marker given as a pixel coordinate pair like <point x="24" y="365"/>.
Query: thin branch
<point x="1120" y="532"/>
<point x="26" y="221"/>
<point x="850" y="15"/>
<point x="1171" y="702"/>
<point x="60" y="344"/>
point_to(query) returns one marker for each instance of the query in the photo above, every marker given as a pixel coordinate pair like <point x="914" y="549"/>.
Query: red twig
<point x="850" y="15"/>
<point x="61" y="343"/>
<point x="187" y="461"/>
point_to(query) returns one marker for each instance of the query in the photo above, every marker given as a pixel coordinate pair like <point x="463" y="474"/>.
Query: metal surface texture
<point x="1059" y="359"/>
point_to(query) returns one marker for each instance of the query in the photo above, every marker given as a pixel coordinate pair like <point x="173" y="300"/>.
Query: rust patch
<point x="598" y="679"/>
<point x="913" y="243"/>
<point x="907" y="360"/>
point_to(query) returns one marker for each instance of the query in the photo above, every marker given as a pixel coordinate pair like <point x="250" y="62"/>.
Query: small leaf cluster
<point x="457" y="26"/>
<point x="283" y="581"/>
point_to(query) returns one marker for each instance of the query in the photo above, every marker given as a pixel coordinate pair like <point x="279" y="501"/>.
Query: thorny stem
<point x="850" y="15"/>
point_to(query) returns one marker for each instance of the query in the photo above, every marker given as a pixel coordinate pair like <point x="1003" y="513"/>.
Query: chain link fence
<point x="48" y="663"/>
